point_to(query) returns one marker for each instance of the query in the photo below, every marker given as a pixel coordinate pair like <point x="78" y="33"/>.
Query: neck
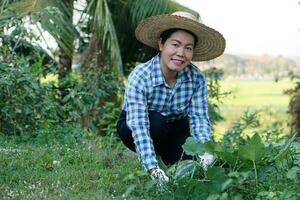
<point x="170" y="76"/>
<point x="170" y="81"/>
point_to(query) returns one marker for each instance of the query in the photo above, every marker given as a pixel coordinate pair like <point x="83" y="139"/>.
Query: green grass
<point x="257" y="94"/>
<point x="266" y="97"/>
<point x="88" y="169"/>
<point x="91" y="168"/>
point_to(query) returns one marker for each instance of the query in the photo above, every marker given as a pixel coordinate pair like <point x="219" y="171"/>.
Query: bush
<point x="93" y="99"/>
<point x="25" y="103"/>
<point x="215" y="96"/>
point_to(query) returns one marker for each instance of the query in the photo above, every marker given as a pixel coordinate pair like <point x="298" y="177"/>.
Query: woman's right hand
<point x="159" y="174"/>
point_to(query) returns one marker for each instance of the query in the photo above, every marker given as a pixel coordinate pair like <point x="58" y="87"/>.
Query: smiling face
<point x="176" y="52"/>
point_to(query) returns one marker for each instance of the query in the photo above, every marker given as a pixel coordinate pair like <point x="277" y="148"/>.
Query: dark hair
<point x="167" y="33"/>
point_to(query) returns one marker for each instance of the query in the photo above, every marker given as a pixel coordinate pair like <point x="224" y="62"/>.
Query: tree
<point x="294" y="108"/>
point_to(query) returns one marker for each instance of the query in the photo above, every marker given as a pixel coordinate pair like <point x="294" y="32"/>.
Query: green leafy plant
<point x="25" y="103"/>
<point x="236" y="135"/>
<point x="92" y="99"/>
<point x="256" y="167"/>
<point x="215" y="96"/>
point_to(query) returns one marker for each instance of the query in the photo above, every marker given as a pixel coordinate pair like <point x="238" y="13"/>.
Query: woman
<point x="166" y="98"/>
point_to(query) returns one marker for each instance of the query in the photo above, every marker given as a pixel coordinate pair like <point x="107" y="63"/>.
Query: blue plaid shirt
<point x="147" y="90"/>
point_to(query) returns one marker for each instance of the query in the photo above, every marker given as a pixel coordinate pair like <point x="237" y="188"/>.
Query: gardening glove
<point x="158" y="174"/>
<point x="205" y="160"/>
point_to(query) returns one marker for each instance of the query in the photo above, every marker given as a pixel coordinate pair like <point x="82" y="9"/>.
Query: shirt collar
<point x="185" y="74"/>
<point x="158" y="78"/>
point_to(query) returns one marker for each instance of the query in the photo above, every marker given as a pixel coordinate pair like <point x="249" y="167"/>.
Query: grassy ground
<point x="66" y="169"/>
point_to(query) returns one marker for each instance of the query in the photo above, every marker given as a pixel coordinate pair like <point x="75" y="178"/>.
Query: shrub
<point x="215" y="96"/>
<point x="25" y="103"/>
<point x="92" y="97"/>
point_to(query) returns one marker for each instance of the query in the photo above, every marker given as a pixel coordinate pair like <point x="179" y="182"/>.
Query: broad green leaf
<point x="212" y="146"/>
<point x="292" y="174"/>
<point x="254" y="150"/>
<point x="217" y="178"/>
<point x="193" y="147"/>
<point x="190" y="189"/>
<point x="216" y="173"/>
<point x="213" y="197"/>
<point x="237" y="197"/>
<point x="229" y="157"/>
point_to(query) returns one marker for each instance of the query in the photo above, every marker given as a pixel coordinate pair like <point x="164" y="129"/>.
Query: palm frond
<point x="104" y="27"/>
<point x="138" y="11"/>
<point x="52" y="15"/>
<point x="11" y="8"/>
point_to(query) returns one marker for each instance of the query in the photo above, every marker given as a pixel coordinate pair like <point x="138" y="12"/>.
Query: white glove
<point x="158" y="174"/>
<point x="205" y="160"/>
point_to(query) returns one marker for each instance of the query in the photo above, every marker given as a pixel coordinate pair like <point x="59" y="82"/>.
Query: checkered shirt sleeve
<point x="198" y="114"/>
<point x="138" y="121"/>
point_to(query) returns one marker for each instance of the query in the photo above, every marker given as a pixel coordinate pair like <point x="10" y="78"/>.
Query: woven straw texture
<point x="211" y="43"/>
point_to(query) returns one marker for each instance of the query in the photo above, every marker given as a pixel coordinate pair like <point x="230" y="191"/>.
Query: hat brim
<point x="211" y="43"/>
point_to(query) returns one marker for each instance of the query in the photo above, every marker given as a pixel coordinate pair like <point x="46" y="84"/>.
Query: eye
<point x="175" y="44"/>
<point x="189" y="48"/>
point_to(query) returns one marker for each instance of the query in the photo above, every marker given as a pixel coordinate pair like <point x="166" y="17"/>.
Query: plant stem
<point x="255" y="171"/>
<point x="287" y="145"/>
<point x="192" y="175"/>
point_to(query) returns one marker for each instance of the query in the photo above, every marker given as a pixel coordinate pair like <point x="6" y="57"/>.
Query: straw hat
<point x="211" y="43"/>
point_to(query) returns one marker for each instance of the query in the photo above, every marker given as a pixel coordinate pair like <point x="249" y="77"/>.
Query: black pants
<point x="167" y="138"/>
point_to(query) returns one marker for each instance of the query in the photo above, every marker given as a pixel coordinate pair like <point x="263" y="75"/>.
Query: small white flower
<point x="31" y="186"/>
<point x="56" y="162"/>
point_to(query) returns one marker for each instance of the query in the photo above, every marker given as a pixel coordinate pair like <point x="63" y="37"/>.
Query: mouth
<point x="177" y="62"/>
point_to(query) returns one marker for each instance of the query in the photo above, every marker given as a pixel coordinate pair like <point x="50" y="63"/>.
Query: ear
<point x="160" y="44"/>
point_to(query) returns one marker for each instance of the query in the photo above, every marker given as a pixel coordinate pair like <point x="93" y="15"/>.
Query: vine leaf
<point x="254" y="150"/>
<point x="217" y="180"/>
<point x="193" y="147"/>
<point x="292" y="173"/>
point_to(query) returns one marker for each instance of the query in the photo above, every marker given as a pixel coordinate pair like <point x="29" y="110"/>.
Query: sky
<point x="253" y="27"/>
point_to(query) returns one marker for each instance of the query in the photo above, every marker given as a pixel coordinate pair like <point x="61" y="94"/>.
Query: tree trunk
<point x="93" y="55"/>
<point x="294" y="110"/>
<point x="65" y="61"/>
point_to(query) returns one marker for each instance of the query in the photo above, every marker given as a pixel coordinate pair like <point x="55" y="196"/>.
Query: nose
<point x="180" y="51"/>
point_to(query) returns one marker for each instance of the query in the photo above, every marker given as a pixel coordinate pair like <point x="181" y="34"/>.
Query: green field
<point x="267" y="97"/>
<point x="256" y="94"/>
